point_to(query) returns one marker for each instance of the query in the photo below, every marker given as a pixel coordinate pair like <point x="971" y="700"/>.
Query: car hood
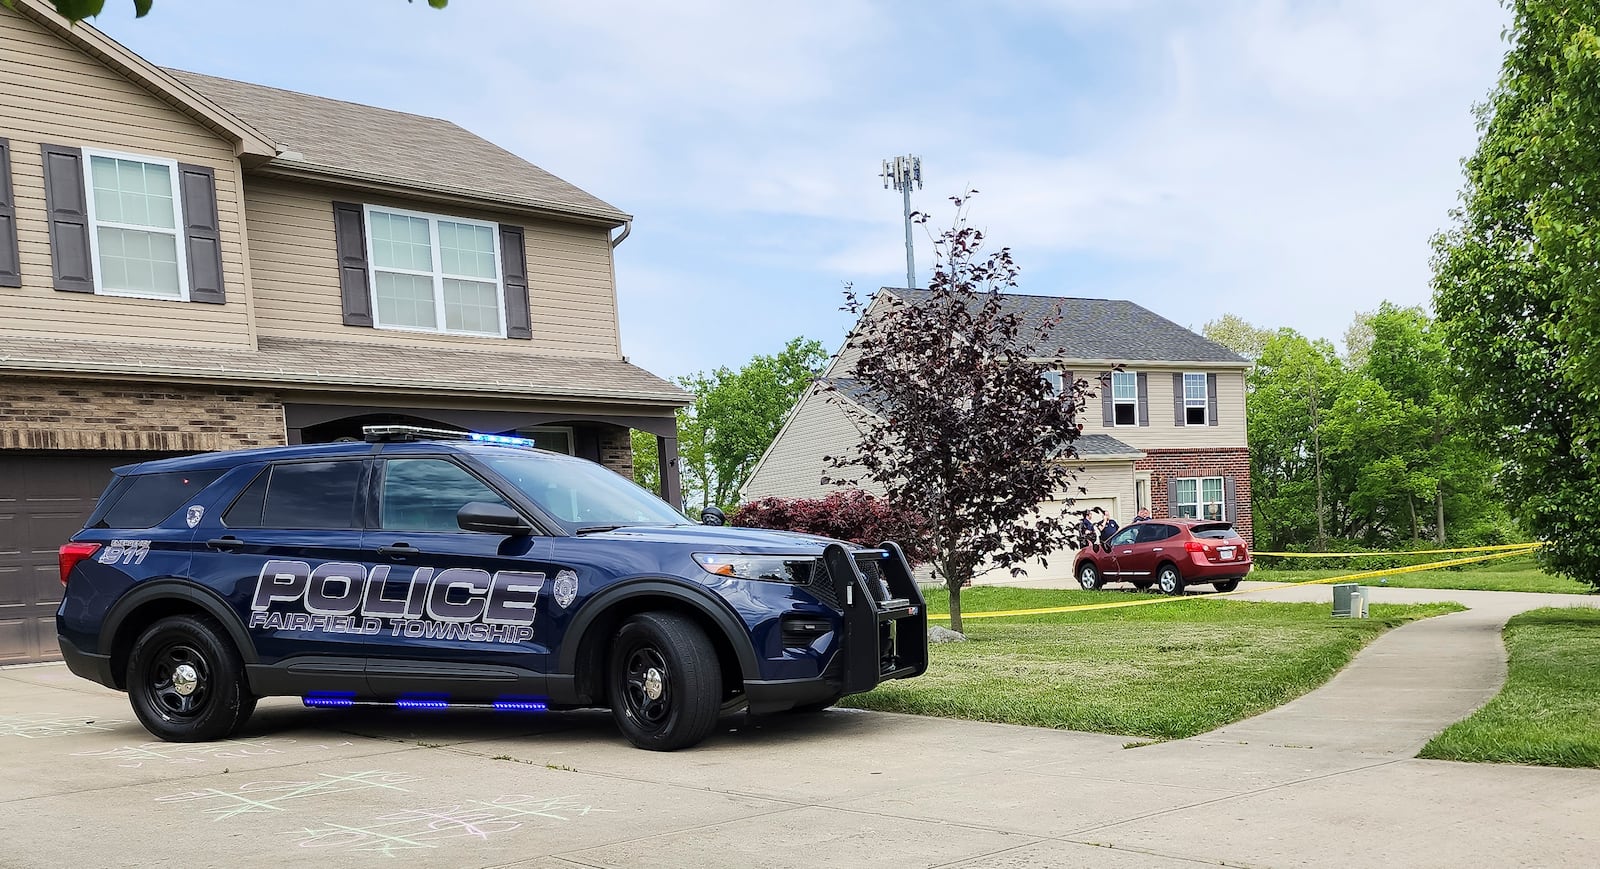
<point x="753" y="541"/>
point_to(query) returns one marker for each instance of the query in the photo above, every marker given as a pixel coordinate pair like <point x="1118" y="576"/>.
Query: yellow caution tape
<point x="1371" y="574"/>
<point x="1499" y="548"/>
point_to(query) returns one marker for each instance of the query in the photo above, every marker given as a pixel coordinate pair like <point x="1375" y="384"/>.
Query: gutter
<point x="627" y="227"/>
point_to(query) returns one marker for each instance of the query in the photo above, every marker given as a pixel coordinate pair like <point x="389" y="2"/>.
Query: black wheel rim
<point x="647" y="688"/>
<point x="179" y="680"/>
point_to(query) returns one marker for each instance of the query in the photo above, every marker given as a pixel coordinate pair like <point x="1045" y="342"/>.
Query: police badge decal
<point x="195" y="513"/>
<point x="566" y="588"/>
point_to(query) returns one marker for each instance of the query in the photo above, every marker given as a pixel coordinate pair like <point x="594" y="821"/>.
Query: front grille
<point x="820" y="584"/>
<point x="871" y="566"/>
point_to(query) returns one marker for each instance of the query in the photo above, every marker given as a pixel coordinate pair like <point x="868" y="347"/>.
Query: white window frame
<point x="1200" y="502"/>
<point x="569" y="431"/>
<point x="437" y="275"/>
<point x="1205" y="399"/>
<point x="1134" y="402"/>
<point x="95" y="223"/>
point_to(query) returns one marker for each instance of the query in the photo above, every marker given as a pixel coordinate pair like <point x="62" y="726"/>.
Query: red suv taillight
<point x="72" y="553"/>
<point x="1195" y="546"/>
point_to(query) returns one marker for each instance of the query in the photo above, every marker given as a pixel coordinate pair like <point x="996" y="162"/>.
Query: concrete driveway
<point x="1324" y="781"/>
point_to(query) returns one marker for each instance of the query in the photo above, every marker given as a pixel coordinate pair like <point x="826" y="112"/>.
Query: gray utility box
<point x="1349" y="601"/>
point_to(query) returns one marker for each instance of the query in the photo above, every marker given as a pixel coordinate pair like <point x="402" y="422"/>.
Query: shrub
<point x="848" y="514"/>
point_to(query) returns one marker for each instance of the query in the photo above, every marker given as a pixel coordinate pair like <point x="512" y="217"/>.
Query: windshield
<point x="581" y="494"/>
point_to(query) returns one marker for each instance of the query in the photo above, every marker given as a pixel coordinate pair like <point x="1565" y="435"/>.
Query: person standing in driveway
<point x="1142" y="516"/>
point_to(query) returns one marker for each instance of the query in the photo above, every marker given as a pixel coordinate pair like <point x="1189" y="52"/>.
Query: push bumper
<point x="883" y="633"/>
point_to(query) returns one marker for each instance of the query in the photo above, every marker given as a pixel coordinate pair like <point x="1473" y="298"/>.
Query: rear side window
<point x="148" y="499"/>
<point x="299" y="495"/>
<point x="1150" y="532"/>
<point x="1214" y="531"/>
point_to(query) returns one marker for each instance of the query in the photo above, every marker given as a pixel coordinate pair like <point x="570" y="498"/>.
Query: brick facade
<point x="82" y="415"/>
<point x="616" y="449"/>
<point x="1165" y="465"/>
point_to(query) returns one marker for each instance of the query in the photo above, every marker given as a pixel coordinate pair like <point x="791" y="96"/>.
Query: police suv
<point x="428" y="569"/>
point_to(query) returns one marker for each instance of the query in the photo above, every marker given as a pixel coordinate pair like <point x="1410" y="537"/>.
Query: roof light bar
<point x="379" y="434"/>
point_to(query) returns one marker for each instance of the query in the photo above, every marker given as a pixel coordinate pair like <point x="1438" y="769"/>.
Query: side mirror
<point x="713" y="516"/>
<point x="492" y="519"/>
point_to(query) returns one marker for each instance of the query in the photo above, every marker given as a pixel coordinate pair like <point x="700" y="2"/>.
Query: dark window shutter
<point x="65" y="201"/>
<point x="514" y="272"/>
<point x="197" y="185"/>
<point x="10" y="259"/>
<point x="1211" y="399"/>
<point x="1067" y="381"/>
<point x="1144" y="398"/>
<point x="1107" y="409"/>
<point x="350" y="242"/>
<point x="1230" y="499"/>
<point x="1178" y="418"/>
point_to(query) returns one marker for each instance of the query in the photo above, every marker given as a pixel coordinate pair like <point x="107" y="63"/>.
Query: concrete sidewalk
<point x="1324" y="781"/>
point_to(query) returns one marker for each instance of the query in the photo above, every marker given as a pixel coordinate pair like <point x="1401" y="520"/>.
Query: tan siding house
<point x="1166" y="430"/>
<point x="190" y="263"/>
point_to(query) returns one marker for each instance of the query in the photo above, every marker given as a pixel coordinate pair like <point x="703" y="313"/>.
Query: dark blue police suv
<point x="426" y="569"/>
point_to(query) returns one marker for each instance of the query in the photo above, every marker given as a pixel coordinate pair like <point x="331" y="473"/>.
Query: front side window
<point x="1125" y="397"/>
<point x="426" y="494"/>
<point x="1198" y="498"/>
<point x="434" y="273"/>
<point x="1195" y="399"/>
<point x="133" y="226"/>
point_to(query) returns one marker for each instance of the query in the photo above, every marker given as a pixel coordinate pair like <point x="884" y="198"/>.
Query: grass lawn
<point x="1159" y="672"/>
<point x="1548" y="713"/>
<point x="1506" y="574"/>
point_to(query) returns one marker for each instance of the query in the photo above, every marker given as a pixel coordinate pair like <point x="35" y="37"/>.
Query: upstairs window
<point x="435" y="274"/>
<point x="1196" y="398"/>
<point x="1125" y="397"/>
<point x="132" y="208"/>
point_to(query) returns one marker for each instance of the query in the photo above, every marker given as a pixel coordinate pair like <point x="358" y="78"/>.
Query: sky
<point x="1284" y="161"/>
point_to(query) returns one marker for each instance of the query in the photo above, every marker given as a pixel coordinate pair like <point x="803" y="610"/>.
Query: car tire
<point x="1169" y="580"/>
<point x="1225" y="584"/>
<point x="665" y="681"/>
<point x="1089" y="576"/>
<point x="186" y="681"/>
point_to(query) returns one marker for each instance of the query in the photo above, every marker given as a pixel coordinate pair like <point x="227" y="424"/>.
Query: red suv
<point x="1168" y="554"/>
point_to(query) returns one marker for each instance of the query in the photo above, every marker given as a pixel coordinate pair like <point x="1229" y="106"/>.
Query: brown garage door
<point x="44" y="499"/>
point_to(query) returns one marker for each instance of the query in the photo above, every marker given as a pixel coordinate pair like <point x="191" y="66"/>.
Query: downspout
<point x="627" y="227"/>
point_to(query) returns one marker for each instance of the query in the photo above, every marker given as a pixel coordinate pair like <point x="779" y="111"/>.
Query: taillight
<point x="1195" y="546"/>
<point x="72" y="553"/>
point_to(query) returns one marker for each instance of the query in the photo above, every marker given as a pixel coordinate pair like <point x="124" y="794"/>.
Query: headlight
<point x="794" y="569"/>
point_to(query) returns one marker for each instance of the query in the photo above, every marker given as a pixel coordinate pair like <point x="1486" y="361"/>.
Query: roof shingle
<point x="357" y="141"/>
<point x="303" y="362"/>
<point x="1113" y="330"/>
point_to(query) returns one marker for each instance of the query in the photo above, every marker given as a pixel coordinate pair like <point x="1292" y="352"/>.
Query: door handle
<point x="1127" y="552"/>
<point x="398" y="551"/>
<point x="228" y="543"/>
<point x="1157" y="549"/>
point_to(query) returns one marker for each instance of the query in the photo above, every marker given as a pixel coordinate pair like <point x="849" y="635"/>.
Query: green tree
<point x="1294" y="387"/>
<point x="1238" y="335"/>
<point x="735" y="416"/>
<point x="1515" y="278"/>
<point x="77" y="10"/>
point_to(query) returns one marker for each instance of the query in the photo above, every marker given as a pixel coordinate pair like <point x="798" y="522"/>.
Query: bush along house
<point x="1164" y="429"/>
<point x="189" y="264"/>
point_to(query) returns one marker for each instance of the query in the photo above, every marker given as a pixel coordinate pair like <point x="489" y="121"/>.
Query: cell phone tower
<point x="901" y="173"/>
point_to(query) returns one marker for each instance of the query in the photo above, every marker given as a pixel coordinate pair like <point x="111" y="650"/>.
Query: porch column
<point x="667" y="461"/>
